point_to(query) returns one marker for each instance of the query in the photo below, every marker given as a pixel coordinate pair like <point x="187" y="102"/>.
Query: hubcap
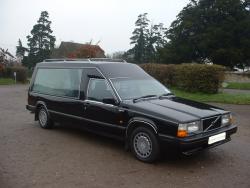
<point x="142" y="145"/>
<point x="42" y="117"/>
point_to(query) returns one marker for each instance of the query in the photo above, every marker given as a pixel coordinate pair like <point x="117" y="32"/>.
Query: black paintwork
<point x="162" y="115"/>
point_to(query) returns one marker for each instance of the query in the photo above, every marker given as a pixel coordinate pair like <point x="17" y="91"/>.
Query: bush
<point x="199" y="77"/>
<point x="188" y="77"/>
<point x="7" y="72"/>
<point x="30" y="72"/>
<point x="164" y="73"/>
<point x="21" y="73"/>
<point x="1" y="70"/>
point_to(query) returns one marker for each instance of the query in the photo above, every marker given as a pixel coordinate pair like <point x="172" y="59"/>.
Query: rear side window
<point x="58" y="82"/>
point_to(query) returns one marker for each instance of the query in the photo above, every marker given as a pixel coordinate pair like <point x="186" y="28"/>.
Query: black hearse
<point x="119" y="99"/>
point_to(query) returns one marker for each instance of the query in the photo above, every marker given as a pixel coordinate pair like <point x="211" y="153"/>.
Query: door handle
<point x="85" y="105"/>
<point x="121" y="110"/>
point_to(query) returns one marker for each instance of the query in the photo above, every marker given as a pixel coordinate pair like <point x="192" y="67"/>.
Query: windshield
<point x="133" y="88"/>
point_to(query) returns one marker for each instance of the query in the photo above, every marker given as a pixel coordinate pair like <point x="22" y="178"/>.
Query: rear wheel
<point x="43" y="118"/>
<point x="144" y="144"/>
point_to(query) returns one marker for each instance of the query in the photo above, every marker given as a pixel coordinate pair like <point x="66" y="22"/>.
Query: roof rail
<point x="87" y="59"/>
<point x="107" y="59"/>
<point x="67" y="59"/>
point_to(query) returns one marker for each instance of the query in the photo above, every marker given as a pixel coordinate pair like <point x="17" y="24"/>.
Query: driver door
<point x="100" y="107"/>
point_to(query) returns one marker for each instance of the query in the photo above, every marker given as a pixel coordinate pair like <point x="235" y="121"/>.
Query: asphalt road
<point x="69" y="157"/>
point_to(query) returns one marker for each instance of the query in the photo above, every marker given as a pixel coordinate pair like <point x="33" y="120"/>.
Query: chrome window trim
<point x="87" y="93"/>
<point x="118" y="78"/>
<point x="98" y="102"/>
<point x="112" y="86"/>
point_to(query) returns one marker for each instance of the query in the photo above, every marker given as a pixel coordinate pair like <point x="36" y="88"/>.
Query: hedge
<point x="189" y="77"/>
<point x="8" y="72"/>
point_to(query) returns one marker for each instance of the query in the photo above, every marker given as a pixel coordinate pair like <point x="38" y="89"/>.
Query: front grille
<point x="211" y="123"/>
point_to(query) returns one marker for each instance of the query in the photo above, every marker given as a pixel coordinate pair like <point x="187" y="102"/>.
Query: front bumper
<point x="31" y="108"/>
<point x="195" y="143"/>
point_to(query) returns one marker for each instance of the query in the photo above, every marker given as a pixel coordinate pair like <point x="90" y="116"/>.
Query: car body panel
<point x="163" y="115"/>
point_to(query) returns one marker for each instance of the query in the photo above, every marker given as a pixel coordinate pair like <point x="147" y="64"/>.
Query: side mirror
<point x="109" y="101"/>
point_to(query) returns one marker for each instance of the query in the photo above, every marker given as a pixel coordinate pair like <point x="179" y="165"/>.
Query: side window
<point x="59" y="82"/>
<point x="98" y="89"/>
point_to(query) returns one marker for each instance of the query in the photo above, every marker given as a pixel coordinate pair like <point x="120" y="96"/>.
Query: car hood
<point x="175" y="109"/>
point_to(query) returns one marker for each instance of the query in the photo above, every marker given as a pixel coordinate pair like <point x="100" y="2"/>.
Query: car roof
<point x="110" y="68"/>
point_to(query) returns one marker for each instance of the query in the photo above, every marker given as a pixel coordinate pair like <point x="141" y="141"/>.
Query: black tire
<point x="43" y="118"/>
<point x="144" y="144"/>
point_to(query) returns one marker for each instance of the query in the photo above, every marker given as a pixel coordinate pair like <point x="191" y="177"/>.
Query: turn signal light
<point x="182" y="133"/>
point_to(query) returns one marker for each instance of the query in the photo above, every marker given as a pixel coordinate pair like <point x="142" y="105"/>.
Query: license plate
<point x="216" y="138"/>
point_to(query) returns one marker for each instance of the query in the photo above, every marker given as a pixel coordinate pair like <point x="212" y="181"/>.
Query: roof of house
<point x="67" y="48"/>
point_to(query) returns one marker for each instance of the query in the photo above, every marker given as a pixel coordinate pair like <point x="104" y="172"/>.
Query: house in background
<point x="77" y="50"/>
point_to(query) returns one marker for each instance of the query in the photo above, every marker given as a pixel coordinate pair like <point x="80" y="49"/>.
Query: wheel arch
<point x="38" y="105"/>
<point x="137" y="122"/>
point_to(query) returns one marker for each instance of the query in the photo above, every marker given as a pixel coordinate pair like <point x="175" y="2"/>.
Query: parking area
<point x="70" y="157"/>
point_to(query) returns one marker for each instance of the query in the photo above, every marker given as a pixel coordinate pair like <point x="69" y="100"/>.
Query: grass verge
<point x="6" y="81"/>
<point x="236" y="85"/>
<point x="218" y="98"/>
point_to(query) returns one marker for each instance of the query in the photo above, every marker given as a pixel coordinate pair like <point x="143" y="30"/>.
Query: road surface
<point x="70" y="157"/>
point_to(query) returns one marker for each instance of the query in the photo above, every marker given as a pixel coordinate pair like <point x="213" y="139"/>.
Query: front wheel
<point x="43" y="118"/>
<point x="144" y="144"/>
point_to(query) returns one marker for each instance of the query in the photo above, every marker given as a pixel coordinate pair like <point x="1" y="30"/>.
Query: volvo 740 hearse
<point x="119" y="99"/>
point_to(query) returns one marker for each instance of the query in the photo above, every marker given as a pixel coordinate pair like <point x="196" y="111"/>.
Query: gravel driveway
<point x="69" y="157"/>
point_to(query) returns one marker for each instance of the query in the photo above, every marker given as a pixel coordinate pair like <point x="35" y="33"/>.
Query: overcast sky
<point x="110" y="21"/>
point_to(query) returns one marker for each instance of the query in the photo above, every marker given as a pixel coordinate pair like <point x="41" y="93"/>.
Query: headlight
<point x="186" y="128"/>
<point x="226" y="119"/>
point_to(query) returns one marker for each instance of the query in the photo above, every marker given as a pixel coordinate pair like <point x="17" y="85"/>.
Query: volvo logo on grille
<point x="212" y="124"/>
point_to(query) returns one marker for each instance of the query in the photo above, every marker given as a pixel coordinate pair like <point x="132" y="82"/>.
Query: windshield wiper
<point x="144" y="97"/>
<point x="166" y="95"/>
